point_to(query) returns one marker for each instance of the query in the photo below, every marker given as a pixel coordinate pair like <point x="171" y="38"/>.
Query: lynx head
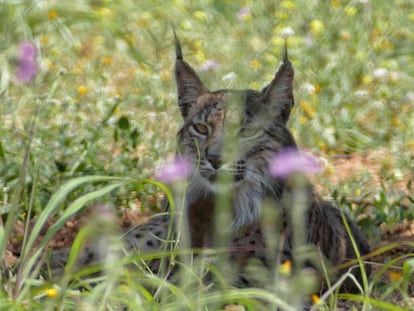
<point x="231" y="135"/>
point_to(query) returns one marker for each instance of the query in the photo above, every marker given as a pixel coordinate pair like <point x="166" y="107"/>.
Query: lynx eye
<point x="200" y="129"/>
<point x="249" y="133"/>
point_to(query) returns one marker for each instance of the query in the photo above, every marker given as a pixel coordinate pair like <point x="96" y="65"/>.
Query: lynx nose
<point x="215" y="160"/>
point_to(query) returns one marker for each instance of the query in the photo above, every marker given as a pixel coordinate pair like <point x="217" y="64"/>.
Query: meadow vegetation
<point x="88" y="113"/>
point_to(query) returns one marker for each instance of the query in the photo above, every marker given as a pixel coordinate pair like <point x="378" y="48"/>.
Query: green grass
<point x="104" y="104"/>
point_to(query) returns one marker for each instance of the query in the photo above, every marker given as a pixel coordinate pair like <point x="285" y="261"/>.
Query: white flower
<point x="229" y="76"/>
<point x="287" y="32"/>
<point x="410" y="97"/>
<point x="329" y="135"/>
<point x="377" y="104"/>
<point x="308" y="87"/>
<point x="361" y="93"/>
<point x="380" y="73"/>
<point x="149" y="99"/>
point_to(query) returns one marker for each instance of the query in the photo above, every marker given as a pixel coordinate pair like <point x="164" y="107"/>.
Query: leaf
<point x="134" y="137"/>
<point x="2" y="155"/>
<point x="72" y="209"/>
<point x="123" y="123"/>
<point x="55" y="201"/>
<point x="381" y="305"/>
<point x="408" y="267"/>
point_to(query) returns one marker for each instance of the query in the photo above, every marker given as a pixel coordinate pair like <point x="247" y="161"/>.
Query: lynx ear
<point x="189" y="85"/>
<point x="279" y="93"/>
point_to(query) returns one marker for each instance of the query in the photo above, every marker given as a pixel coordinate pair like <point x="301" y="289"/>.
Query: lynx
<point x="231" y="136"/>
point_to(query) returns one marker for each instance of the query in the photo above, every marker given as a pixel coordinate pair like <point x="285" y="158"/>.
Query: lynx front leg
<point x="57" y="260"/>
<point x="149" y="237"/>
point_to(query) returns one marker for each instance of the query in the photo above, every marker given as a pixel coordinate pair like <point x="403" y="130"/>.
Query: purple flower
<point x="290" y="161"/>
<point x="243" y="14"/>
<point x="27" y="63"/>
<point x="177" y="170"/>
<point x="210" y="64"/>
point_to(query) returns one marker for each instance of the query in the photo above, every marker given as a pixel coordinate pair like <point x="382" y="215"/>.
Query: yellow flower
<point x="286" y="267"/>
<point x="376" y="33"/>
<point x="186" y="25"/>
<point x="329" y="170"/>
<point x="55" y="52"/>
<point x="107" y="60"/>
<point x="147" y="15"/>
<point x="315" y="299"/>
<point x="345" y="35"/>
<point x="383" y="44"/>
<point x="51" y="292"/>
<point x="316" y="27"/>
<point x="395" y="121"/>
<point x="336" y="4"/>
<point x="309" y="111"/>
<point x="98" y="40"/>
<point x="165" y="76"/>
<point x="200" y="56"/>
<point x="366" y="79"/>
<point x="200" y="15"/>
<point x="323" y="146"/>
<point x="144" y="20"/>
<point x="318" y="88"/>
<point x="358" y="192"/>
<point x="44" y="39"/>
<point x="124" y="288"/>
<point x="394" y="275"/>
<point x="278" y="41"/>
<point x="280" y="15"/>
<point x="196" y="45"/>
<point x="52" y="15"/>
<point x="142" y="23"/>
<point x="411" y="16"/>
<point x="255" y="64"/>
<point x="303" y="120"/>
<point x="82" y="90"/>
<point x="351" y="10"/>
<point x="256" y="43"/>
<point x="405" y="108"/>
<point x="255" y="85"/>
<point x="48" y="64"/>
<point x="78" y="68"/>
<point x="287" y="4"/>
<point x="105" y="12"/>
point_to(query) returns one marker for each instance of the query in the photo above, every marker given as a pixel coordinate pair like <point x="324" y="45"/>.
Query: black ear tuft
<point x="189" y="85"/>
<point x="178" y="52"/>
<point x="279" y="93"/>
<point x="285" y="55"/>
